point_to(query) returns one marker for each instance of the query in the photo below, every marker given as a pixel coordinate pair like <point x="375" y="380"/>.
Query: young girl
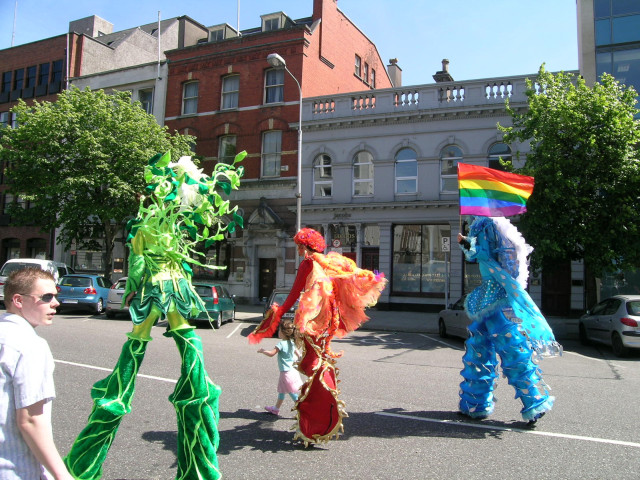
<point x="290" y="380"/>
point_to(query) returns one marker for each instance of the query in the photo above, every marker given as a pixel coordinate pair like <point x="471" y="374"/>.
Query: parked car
<point x="83" y="292"/>
<point x="220" y="305"/>
<point x="454" y="320"/>
<point x="57" y="269"/>
<point x="279" y="295"/>
<point x="614" y="321"/>
<point x="114" y="299"/>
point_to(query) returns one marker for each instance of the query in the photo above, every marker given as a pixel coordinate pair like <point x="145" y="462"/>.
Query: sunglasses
<point x="46" y="298"/>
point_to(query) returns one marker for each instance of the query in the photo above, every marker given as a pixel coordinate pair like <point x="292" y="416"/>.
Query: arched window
<point x="499" y="151"/>
<point x="362" y="174"/>
<point x="449" y="158"/>
<point x="406" y="171"/>
<point x="322" y="176"/>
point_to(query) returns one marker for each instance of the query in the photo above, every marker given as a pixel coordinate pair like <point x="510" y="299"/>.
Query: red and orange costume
<point x="333" y="294"/>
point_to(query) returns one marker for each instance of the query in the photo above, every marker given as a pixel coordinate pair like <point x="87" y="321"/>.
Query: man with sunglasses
<point x="27" y="450"/>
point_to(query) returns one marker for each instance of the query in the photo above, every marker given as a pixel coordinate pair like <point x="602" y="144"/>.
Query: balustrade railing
<point x="437" y="96"/>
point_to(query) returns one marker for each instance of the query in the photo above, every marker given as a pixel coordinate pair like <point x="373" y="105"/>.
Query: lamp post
<point x="277" y="61"/>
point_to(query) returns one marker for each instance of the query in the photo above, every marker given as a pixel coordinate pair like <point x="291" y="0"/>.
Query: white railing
<point x="423" y="98"/>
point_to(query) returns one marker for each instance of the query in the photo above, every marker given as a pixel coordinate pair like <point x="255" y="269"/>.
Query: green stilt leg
<point x="195" y="399"/>
<point x="111" y="401"/>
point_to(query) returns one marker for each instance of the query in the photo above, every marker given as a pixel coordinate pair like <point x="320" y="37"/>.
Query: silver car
<point x="453" y="321"/>
<point x="114" y="299"/>
<point x="615" y="322"/>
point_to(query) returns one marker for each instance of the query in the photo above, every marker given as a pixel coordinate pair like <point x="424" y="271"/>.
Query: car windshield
<point x="633" y="308"/>
<point x="12" y="267"/>
<point x="75" y="282"/>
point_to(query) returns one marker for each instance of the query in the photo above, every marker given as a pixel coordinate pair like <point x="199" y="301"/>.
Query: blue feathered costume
<point x="505" y="323"/>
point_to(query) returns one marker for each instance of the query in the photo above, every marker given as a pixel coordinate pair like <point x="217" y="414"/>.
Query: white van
<point x="57" y="269"/>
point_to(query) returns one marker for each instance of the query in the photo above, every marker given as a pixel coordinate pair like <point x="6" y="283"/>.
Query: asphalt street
<point x="400" y="389"/>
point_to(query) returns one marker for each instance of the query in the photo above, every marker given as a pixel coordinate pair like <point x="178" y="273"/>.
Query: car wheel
<point x="442" y="329"/>
<point x="99" y="307"/>
<point x="619" y="349"/>
<point x="582" y="335"/>
<point x="217" y="322"/>
<point x="110" y="314"/>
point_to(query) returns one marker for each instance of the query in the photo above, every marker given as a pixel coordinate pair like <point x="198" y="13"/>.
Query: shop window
<point x="418" y="260"/>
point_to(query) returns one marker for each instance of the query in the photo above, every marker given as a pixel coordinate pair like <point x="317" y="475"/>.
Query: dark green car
<point x="220" y="305"/>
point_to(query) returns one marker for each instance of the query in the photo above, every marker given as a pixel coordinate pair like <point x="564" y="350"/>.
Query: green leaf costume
<point x="180" y="209"/>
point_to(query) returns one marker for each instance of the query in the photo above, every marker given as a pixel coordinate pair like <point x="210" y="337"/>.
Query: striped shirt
<point x="26" y="377"/>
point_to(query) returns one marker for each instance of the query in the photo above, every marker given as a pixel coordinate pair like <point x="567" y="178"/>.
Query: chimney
<point x="395" y="72"/>
<point x="443" y="75"/>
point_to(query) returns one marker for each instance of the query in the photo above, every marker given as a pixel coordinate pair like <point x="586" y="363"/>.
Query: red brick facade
<point x="30" y="241"/>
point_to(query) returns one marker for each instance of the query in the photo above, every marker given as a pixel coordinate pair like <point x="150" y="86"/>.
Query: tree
<point x="584" y="159"/>
<point x="79" y="162"/>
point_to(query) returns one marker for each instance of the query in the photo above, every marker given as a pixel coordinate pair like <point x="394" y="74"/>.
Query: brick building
<point x="40" y="70"/>
<point x="36" y="70"/>
<point x="225" y="93"/>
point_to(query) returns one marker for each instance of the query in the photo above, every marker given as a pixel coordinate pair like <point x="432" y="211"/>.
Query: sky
<point x="480" y="39"/>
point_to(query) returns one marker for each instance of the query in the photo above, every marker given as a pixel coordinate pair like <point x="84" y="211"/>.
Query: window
<point x="5" y="117"/>
<point x="6" y="81"/>
<point x="56" y="72"/>
<point x="8" y="200"/>
<point x="146" y="99"/>
<point x="366" y="72"/>
<point x="418" y="262"/>
<point x="271" y="24"/>
<point x="358" y="66"/>
<point x="406" y="171"/>
<point x="227" y="149"/>
<point x="31" y="76"/>
<point x="363" y="174"/>
<point x="43" y="76"/>
<point x="190" y="98"/>
<point x="274" y="86"/>
<point x="449" y="158"/>
<point x="18" y="79"/>
<point x="271" y="153"/>
<point x="230" y="88"/>
<point x="216" y="35"/>
<point x="373" y="78"/>
<point x="499" y="151"/>
<point x="322" y="177"/>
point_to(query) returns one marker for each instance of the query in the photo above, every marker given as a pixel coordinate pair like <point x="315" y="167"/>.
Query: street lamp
<point x="277" y="61"/>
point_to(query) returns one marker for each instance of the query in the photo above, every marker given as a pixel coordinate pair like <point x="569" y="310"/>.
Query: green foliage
<point x="79" y="162"/>
<point x="584" y="159"/>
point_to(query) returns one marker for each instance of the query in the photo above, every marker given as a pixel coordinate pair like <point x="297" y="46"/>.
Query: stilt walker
<point x="506" y="322"/>
<point x="180" y="209"/>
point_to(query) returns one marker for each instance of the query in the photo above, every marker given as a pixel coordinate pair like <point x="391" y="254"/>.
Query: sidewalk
<point x="412" y="322"/>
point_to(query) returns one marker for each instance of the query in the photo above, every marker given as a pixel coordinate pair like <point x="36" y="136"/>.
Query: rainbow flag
<point x="492" y="193"/>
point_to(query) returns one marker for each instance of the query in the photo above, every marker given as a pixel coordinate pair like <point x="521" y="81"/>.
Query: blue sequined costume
<point x="506" y="323"/>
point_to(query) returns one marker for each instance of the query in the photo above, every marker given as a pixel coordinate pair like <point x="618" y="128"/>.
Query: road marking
<point x="235" y="330"/>
<point x="92" y="367"/>
<point x="440" y="341"/>
<point x="565" y="352"/>
<point x="516" y="430"/>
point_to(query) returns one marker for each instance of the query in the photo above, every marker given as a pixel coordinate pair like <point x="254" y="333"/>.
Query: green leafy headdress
<point x="182" y="207"/>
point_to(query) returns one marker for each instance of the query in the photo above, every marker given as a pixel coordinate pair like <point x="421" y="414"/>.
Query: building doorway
<point x="556" y="289"/>
<point x="371" y="258"/>
<point x="267" y="278"/>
